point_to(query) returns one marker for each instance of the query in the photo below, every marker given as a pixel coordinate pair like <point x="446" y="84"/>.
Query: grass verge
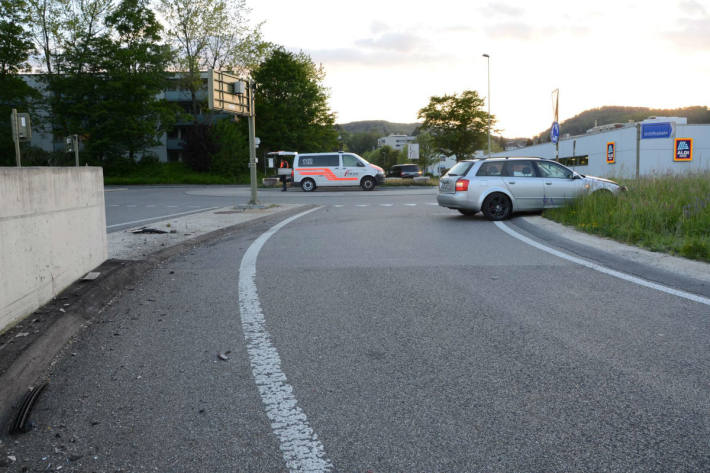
<point x="662" y="213"/>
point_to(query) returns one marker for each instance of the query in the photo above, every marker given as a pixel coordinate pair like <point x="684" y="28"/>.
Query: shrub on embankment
<point x="668" y="213"/>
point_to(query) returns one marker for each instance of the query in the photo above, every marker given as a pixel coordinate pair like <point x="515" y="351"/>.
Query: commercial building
<point x="397" y="142"/>
<point x="657" y="145"/>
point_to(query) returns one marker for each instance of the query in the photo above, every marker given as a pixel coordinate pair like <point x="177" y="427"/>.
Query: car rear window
<point x="410" y="167"/>
<point x="460" y="169"/>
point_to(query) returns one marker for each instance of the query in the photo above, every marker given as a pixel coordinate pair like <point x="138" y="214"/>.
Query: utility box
<point x="238" y="88"/>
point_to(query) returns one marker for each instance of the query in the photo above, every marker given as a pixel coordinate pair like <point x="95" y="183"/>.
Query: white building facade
<point x="658" y="145"/>
<point x="397" y="142"/>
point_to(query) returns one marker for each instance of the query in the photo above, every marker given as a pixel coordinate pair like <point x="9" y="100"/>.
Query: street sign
<point x="413" y="151"/>
<point x="555" y="132"/>
<point x="228" y="93"/>
<point x="656" y="130"/>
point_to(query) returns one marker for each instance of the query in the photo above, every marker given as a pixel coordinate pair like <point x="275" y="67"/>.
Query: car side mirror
<point x="576" y="176"/>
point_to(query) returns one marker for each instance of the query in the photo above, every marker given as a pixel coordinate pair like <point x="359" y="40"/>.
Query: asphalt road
<point x="131" y="206"/>
<point x="408" y="338"/>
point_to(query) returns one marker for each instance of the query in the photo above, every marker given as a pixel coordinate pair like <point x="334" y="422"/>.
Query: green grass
<point x="168" y="173"/>
<point x="668" y="214"/>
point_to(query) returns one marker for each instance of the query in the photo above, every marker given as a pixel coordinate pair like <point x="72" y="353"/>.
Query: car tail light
<point x="462" y="185"/>
<point x="292" y="173"/>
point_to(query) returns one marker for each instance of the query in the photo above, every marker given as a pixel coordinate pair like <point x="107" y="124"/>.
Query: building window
<point x="575" y="160"/>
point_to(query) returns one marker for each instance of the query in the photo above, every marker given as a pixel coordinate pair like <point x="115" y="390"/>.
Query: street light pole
<point x="488" y="61"/>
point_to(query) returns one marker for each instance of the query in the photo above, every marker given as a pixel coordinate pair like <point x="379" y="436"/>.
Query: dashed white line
<point x="603" y="269"/>
<point x="386" y="205"/>
<point x="299" y="445"/>
<point x="411" y="205"/>
<point x="362" y="205"/>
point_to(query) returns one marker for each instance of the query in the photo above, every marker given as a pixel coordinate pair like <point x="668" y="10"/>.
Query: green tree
<point x="457" y="123"/>
<point x="15" y="49"/>
<point x="361" y="142"/>
<point x="292" y="110"/>
<point x="211" y="34"/>
<point x="109" y="83"/>
<point x="385" y="157"/>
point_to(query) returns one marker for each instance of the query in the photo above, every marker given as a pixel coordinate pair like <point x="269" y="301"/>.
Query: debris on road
<point x="147" y="230"/>
<point x="91" y="276"/>
<point x="223" y="356"/>
<point x="20" y="424"/>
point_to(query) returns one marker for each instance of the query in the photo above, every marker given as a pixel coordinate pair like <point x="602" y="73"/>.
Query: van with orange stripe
<point x="313" y="170"/>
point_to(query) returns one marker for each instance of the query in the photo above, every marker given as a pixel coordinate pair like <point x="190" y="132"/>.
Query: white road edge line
<point x="159" y="217"/>
<point x="299" y="445"/>
<point x="603" y="269"/>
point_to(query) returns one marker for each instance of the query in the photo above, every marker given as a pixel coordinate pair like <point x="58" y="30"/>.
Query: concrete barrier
<point x="52" y="232"/>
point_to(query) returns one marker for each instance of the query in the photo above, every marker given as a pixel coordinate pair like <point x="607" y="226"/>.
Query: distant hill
<point x="582" y="122"/>
<point x="380" y="127"/>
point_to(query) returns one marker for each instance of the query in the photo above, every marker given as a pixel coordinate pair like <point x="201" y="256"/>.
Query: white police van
<point x="312" y="170"/>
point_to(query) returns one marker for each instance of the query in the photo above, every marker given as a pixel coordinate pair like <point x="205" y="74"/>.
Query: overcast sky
<point x="384" y="59"/>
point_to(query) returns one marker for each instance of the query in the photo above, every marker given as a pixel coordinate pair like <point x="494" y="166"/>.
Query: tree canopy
<point x="292" y="110"/>
<point x="457" y="123"/>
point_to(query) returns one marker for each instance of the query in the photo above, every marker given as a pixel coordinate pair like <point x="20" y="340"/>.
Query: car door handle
<point x="511" y="182"/>
<point x="548" y="183"/>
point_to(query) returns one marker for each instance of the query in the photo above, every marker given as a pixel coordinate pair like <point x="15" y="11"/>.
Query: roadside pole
<point x="75" y="138"/>
<point x="252" y="145"/>
<point x="16" y="136"/>
<point x="638" y="149"/>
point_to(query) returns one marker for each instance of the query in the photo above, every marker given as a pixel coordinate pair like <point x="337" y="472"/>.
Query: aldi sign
<point x="611" y="152"/>
<point x="683" y="149"/>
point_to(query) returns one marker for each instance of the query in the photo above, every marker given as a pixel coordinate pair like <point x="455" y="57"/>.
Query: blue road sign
<point x="555" y="132"/>
<point x="656" y="130"/>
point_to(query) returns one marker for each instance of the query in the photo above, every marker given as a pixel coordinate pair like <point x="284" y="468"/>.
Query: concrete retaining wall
<point x="52" y="232"/>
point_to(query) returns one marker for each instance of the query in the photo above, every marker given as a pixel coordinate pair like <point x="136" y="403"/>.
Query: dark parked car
<point x="405" y="170"/>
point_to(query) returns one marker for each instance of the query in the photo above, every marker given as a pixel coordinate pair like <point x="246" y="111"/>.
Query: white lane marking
<point x="411" y="205"/>
<point x="150" y="206"/>
<point x="338" y="205"/>
<point x="603" y="269"/>
<point x="386" y="205"/>
<point x="299" y="445"/>
<point x="362" y="205"/>
<point x="432" y="203"/>
<point x="131" y="205"/>
<point x="160" y="217"/>
<point x="114" y="205"/>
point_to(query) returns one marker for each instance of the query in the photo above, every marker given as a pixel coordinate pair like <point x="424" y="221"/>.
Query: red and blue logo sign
<point x="683" y="149"/>
<point x="611" y="152"/>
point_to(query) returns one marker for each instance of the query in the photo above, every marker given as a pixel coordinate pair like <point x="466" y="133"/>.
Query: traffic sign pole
<point x="16" y="136"/>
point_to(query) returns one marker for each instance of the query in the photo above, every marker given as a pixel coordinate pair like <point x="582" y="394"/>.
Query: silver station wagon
<point x="500" y="186"/>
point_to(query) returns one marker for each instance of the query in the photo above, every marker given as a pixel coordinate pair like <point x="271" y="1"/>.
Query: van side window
<point x="320" y="161"/>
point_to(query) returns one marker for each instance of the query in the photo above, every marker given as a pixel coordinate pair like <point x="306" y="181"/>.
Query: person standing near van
<point x="283" y="165"/>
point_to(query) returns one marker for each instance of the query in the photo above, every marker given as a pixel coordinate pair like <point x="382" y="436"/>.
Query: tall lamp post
<point x="488" y="61"/>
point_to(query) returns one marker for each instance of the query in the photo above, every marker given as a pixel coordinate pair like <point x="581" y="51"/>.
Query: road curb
<point x="27" y="357"/>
